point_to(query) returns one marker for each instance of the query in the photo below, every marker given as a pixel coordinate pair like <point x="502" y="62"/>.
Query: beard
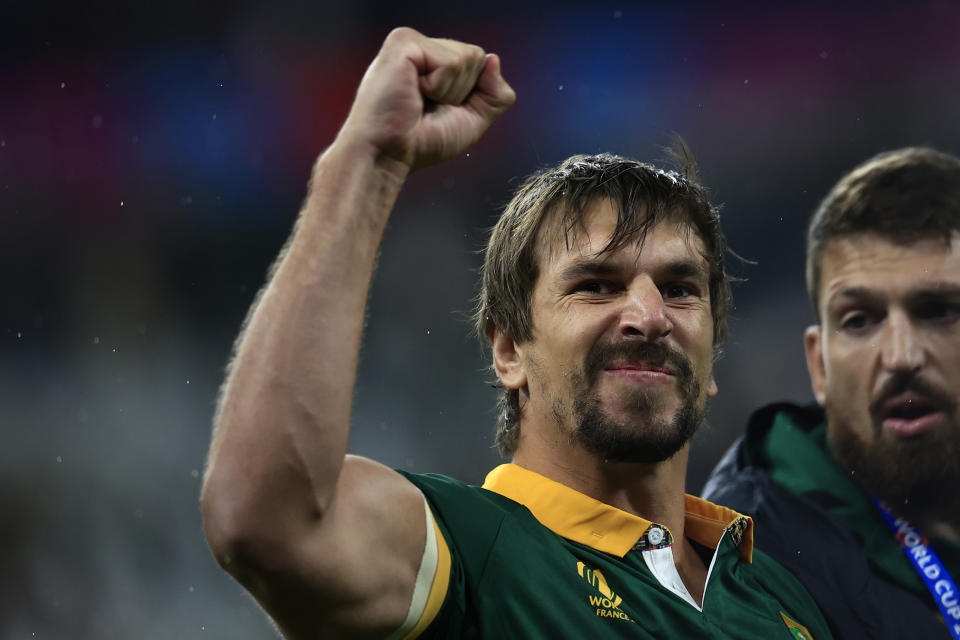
<point x="915" y="476"/>
<point x="647" y="439"/>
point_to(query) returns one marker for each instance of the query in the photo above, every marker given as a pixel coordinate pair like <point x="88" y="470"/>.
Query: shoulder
<point x="469" y="517"/>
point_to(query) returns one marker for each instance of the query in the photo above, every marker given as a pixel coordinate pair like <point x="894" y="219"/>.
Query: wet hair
<point x="557" y="197"/>
<point x="902" y="195"/>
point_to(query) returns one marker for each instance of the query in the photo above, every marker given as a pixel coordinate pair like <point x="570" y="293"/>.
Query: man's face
<point x="885" y="364"/>
<point x="622" y="350"/>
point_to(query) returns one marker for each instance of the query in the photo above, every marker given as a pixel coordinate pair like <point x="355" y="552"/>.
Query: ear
<point x="507" y="361"/>
<point x="712" y="387"/>
<point x="812" y="344"/>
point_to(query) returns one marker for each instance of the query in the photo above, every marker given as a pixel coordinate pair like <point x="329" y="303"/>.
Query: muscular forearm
<point x="282" y="425"/>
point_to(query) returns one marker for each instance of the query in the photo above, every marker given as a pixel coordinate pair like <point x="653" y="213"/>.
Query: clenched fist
<point x="424" y="100"/>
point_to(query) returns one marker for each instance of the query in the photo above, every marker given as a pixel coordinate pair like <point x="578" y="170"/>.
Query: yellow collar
<point x="580" y="518"/>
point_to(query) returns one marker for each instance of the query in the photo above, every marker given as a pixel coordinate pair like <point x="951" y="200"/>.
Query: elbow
<point x="222" y="525"/>
<point x="246" y="538"/>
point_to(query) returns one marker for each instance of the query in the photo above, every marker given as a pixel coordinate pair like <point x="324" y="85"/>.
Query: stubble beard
<point x="916" y="477"/>
<point x="646" y="439"/>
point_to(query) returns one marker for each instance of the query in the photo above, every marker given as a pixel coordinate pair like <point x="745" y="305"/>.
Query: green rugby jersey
<point x="527" y="557"/>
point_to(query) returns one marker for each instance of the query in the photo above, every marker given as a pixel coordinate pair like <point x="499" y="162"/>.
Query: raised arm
<point x="330" y="544"/>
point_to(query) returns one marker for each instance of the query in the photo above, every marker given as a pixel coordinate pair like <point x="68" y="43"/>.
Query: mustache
<point x="655" y="353"/>
<point x="902" y="382"/>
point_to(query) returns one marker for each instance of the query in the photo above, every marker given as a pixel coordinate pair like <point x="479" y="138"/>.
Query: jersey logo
<point x="798" y="630"/>
<point x="607" y="604"/>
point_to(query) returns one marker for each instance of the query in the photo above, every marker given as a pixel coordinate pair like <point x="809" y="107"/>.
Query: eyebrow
<point x="938" y="290"/>
<point x="585" y="268"/>
<point x="930" y="291"/>
<point x="856" y="294"/>
<point x="682" y="268"/>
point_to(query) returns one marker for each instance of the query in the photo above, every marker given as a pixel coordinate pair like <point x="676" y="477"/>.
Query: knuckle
<point x="475" y="52"/>
<point x="401" y="34"/>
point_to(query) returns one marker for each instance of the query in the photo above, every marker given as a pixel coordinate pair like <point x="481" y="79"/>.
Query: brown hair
<point x="901" y="195"/>
<point x="643" y="196"/>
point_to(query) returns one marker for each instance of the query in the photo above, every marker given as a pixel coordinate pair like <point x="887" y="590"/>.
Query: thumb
<point x="492" y="95"/>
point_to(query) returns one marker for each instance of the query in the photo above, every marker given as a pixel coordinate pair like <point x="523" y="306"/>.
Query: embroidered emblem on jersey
<point x="607" y="604"/>
<point x="798" y="630"/>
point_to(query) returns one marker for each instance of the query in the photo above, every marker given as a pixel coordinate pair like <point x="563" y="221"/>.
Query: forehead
<point x="873" y="261"/>
<point x="559" y="243"/>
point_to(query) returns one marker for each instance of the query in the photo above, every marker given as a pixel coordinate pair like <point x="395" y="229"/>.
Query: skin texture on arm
<point x="330" y="544"/>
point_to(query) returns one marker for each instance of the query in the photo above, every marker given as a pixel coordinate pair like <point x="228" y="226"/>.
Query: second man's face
<point x="885" y="361"/>
<point x="622" y="350"/>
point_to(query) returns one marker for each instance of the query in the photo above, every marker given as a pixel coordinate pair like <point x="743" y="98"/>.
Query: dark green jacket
<point x="812" y="517"/>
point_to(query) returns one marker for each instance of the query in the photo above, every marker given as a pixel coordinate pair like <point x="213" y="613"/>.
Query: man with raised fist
<point x="603" y="299"/>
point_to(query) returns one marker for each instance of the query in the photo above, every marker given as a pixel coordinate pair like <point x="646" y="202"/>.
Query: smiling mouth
<point x="641" y="371"/>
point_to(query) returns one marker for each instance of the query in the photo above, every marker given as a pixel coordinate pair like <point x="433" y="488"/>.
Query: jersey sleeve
<point x="463" y="523"/>
<point x="433" y="581"/>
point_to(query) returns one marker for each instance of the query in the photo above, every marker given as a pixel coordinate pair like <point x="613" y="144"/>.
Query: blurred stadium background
<point x="153" y="159"/>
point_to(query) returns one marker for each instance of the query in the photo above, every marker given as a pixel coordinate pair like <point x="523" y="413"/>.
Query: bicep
<point x="356" y="572"/>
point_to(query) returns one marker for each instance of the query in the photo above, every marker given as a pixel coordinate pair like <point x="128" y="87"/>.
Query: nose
<point x="902" y="348"/>
<point x="644" y="314"/>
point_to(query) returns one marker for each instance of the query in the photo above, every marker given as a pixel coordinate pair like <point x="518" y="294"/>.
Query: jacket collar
<point x="790" y="443"/>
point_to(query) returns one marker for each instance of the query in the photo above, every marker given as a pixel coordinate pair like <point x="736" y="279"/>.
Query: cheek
<point x="843" y="376"/>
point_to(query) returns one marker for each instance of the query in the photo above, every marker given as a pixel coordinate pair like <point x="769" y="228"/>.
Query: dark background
<point x="152" y="161"/>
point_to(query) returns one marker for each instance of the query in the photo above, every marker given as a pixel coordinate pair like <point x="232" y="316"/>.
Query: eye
<point x="937" y="310"/>
<point x="680" y="290"/>
<point x="596" y="287"/>
<point x="856" y="321"/>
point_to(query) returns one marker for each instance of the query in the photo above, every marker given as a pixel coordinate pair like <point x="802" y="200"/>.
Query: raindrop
<point x="97" y="121"/>
<point x="214" y="116"/>
<point x="135" y="139"/>
<point x="19" y="334"/>
<point x="428" y="331"/>
<point x="823" y="55"/>
<point x="561" y="88"/>
<point x="121" y="203"/>
<point x="59" y="459"/>
<point x="746" y="82"/>
<point x="188" y="380"/>
<point x="63" y="85"/>
<point x="617" y="15"/>
<point x="3" y="143"/>
<point x="194" y="473"/>
<point x="190" y="588"/>
<point x="96" y="339"/>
